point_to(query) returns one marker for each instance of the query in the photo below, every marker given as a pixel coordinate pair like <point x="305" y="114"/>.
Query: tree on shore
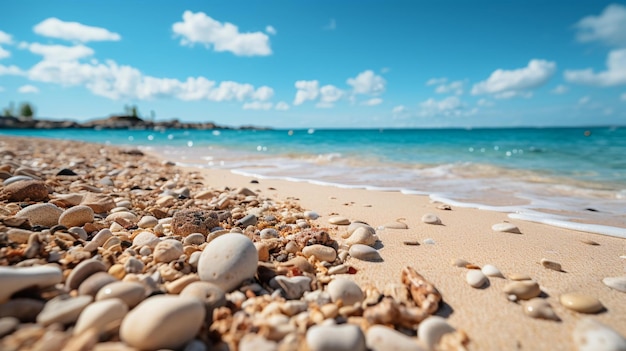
<point x="26" y="110"/>
<point x="9" y="111"/>
<point x="131" y="110"/>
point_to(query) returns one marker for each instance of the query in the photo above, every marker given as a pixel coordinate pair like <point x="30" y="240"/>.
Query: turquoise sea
<point x="568" y="177"/>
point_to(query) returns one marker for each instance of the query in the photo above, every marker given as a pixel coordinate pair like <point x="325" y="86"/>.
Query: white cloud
<point x="368" y="83"/>
<point x="584" y="100"/>
<point x="511" y="94"/>
<point x="436" y="81"/>
<point x="73" y="31"/>
<point x="399" y="109"/>
<point x="330" y="94"/>
<point x="282" y="106"/>
<point x="560" y="89"/>
<point x="263" y="93"/>
<point x="28" y="89"/>
<point x="60" y="52"/>
<point x="202" y="29"/>
<point x="4" y="53"/>
<point x="258" y="105"/>
<point x="270" y="30"/>
<point x="10" y="71"/>
<point x="372" y="102"/>
<point x="609" y="27"/>
<point x="516" y="82"/>
<point x="450" y="106"/>
<point x="307" y="90"/>
<point x="455" y="87"/>
<point x="484" y="103"/>
<point x="5" y="38"/>
<point x="332" y="25"/>
<point x="614" y="75"/>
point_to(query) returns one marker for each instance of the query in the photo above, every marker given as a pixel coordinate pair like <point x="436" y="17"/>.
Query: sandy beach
<point x="486" y="314"/>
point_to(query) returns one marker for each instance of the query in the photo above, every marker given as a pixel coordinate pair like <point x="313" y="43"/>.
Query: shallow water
<point x="557" y="176"/>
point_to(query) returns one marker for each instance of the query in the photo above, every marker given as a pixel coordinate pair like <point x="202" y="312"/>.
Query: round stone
<point x="345" y="290"/>
<point x="591" y="335"/>
<point x="381" y="338"/>
<point x="131" y="293"/>
<point x="430" y="218"/>
<point x="45" y="214"/>
<point x="94" y="283"/>
<point x="211" y="295"/>
<point x="338" y="220"/>
<point x="82" y="271"/>
<point x="168" y="250"/>
<point x="432" y="329"/>
<point x="581" y="303"/>
<point x="228" y="260"/>
<point x="162" y="322"/>
<point x="362" y="235"/>
<point x="321" y="252"/>
<point x="491" y="271"/>
<point x="476" y="278"/>
<point x="100" y="313"/>
<point x="147" y="222"/>
<point x="523" y="289"/>
<point x="63" y="309"/>
<point x="146" y="239"/>
<point x="33" y="190"/>
<point x="506" y="228"/>
<point x="345" y="337"/>
<point x="13" y="279"/>
<point x="539" y="308"/>
<point x="194" y="239"/>
<point x="76" y="216"/>
<point x="364" y="253"/>
<point x="617" y="283"/>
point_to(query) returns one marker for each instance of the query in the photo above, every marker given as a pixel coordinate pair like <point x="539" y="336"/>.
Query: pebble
<point x="345" y="337"/>
<point x="321" y="252"/>
<point x="555" y="266"/>
<point x="476" y="278"/>
<point x="24" y="309"/>
<point x="429" y="241"/>
<point x="382" y="338"/>
<point x="252" y="342"/>
<point x="338" y="220"/>
<point x="396" y="225"/>
<point x="432" y="329"/>
<point x="211" y="295"/>
<point x="506" y="228"/>
<point x="311" y="215"/>
<point x="339" y="269"/>
<point x="581" y="303"/>
<point x="98" y="240"/>
<point x="45" y="214"/>
<point x="33" y="190"/>
<point x="179" y="284"/>
<point x="247" y="220"/>
<point x="99" y="203"/>
<point x="357" y="224"/>
<point x="293" y="287"/>
<point x="147" y="222"/>
<point x="364" y="253"/>
<point x="345" y="290"/>
<point x="8" y="325"/>
<point x="194" y="239"/>
<point x="591" y="335"/>
<point x="82" y="271"/>
<point x="13" y="279"/>
<point x="590" y="242"/>
<point x="76" y="216"/>
<point x="100" y="313"/>
<point x="411" y="242"/>
<point x="459" y="262"/>
<point x="228" y="260"/>
<point x="524" y="289"/>
<point x="63" y="309"/>
<point x="131" y="293"/>
<point x="263" y="251"/>
<point x="362" y="235"/>
<point x="185" y="222"/>
<point x="491" y="271"/>
<point x="146" y="239"/>
<point x="430" y="218"/>
<point x="617" y="283"/>
<point x="133" y="265"/>
<point x="94" y="283"/>
<point x="82" y="233"/>
<point x="15" y="179"/>
<point x="162" y="322"/>
<point x="539" y="308"/>
<point x="129" y="216"/>
<point x="517" y="276"/>
<point x="19" y="236"/>
<point x="268" y="233"/>
<point x="168" y="250"/>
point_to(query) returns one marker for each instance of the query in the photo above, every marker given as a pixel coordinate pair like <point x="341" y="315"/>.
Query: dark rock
<point x="66" y="172"/>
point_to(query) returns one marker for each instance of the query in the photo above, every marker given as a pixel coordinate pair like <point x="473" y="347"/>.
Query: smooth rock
<point x="194" y="239"/>
<point x="524" y="289"/>
<point x="147" y="222"/>
<point x="491" y="271"/>
<point x="268" y="233"/>
<point x="228" y="260"/>
<point x="345" y="290"/>
<point x="429" y="241"/>
<point x="430" y="218"/>
<point x="518" y="276"/>
<point x="131" y="293"/>
<point x="98" y="240"/>
<point x="44" y="214"/>
<point x="381" y="338"/>
<point x="94" y="283"/>
<point x="17" y="178"/>
<point x="338" y="220"/>
<point x="617" y="283"/>
<point x="63" y="309"/>
<point x="168" y="251"/>
<point x="506" y="228"/>
<point x="263" y="251"/>
<point x="364" y="253"/>
<point x="33" y="190"/>
<point x="14" y="279"/>
<point x="362" y="235"/>
<point x="311" y="215"/>
<point x="100" y="313"/>
<point x="555" y="266"/>
<point x="211" y="295"/>
<point x="321" y="252"/>
<point x="99" y="203"/>
<point x="247" y="220"/>
<point x="76" y="216"/>
<point x="539" y="308"/>
<point x="345" y="337"/>
<point x="146" y="239"/>
<point x="340" y="269"/>
<point x="581" y="303"/>
<point x="591" y="335"/>
<point x="355" y="225"/>
<point x="82" y="271"/>
<point x="8" y="325"/>
<point x="476" y="278"/>
<point x="24" y="309"/>
<point x="432" y="329"/>
<point x="162" y="322"/>
<point x="19" y="236"/>
<point x="82" y="233"/>
<point x="133" y="265"/>
<point x="293" y="287"/>
<point x="396" y="225"/>
<point x="129" y="216"/>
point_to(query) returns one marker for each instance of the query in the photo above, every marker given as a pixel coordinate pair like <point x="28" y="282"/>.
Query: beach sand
<point x="490" y="320"/>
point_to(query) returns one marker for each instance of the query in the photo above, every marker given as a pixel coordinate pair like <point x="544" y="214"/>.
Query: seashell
<point x="617" y="283"/>
<point x="506" y="228"/>
<point x="430" y="218"/>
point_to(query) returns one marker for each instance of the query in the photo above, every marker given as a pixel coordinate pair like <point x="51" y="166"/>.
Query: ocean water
<point x="568" y="177"/>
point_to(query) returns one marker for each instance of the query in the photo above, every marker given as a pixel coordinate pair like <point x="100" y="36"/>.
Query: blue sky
<point x="320" y="63"/>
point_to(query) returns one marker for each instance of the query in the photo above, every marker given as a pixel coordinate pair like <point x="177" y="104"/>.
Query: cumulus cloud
<point x="614" y="75"/>
<point x="455" y="87"/>
<point x="73" y="31"/>
<point x="10" y="71"/>
<point x="306" y="90"/>
<point x="258" y="105"/>
<point x="509" y="83"/>
<point x="28" y="89"/>
<point x="5" y="38"/>
<point x="450" y="106"/>
<point x="202" y="29"/>
<point x="484" y="103"/>
<point x="399" y="109"/>
<point x="270" y="30"/>
<point x="4" y="53"/>
<point x="329" y="94"/>
<point x="367" y="83"/>
<point x="60" y="52"/>
<point x="436" y="81"/>
<point x="609" y="27"/>
<point x="372" y="102"/>
<point x="282" y="106"/>
<point x="560" y="89"/>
